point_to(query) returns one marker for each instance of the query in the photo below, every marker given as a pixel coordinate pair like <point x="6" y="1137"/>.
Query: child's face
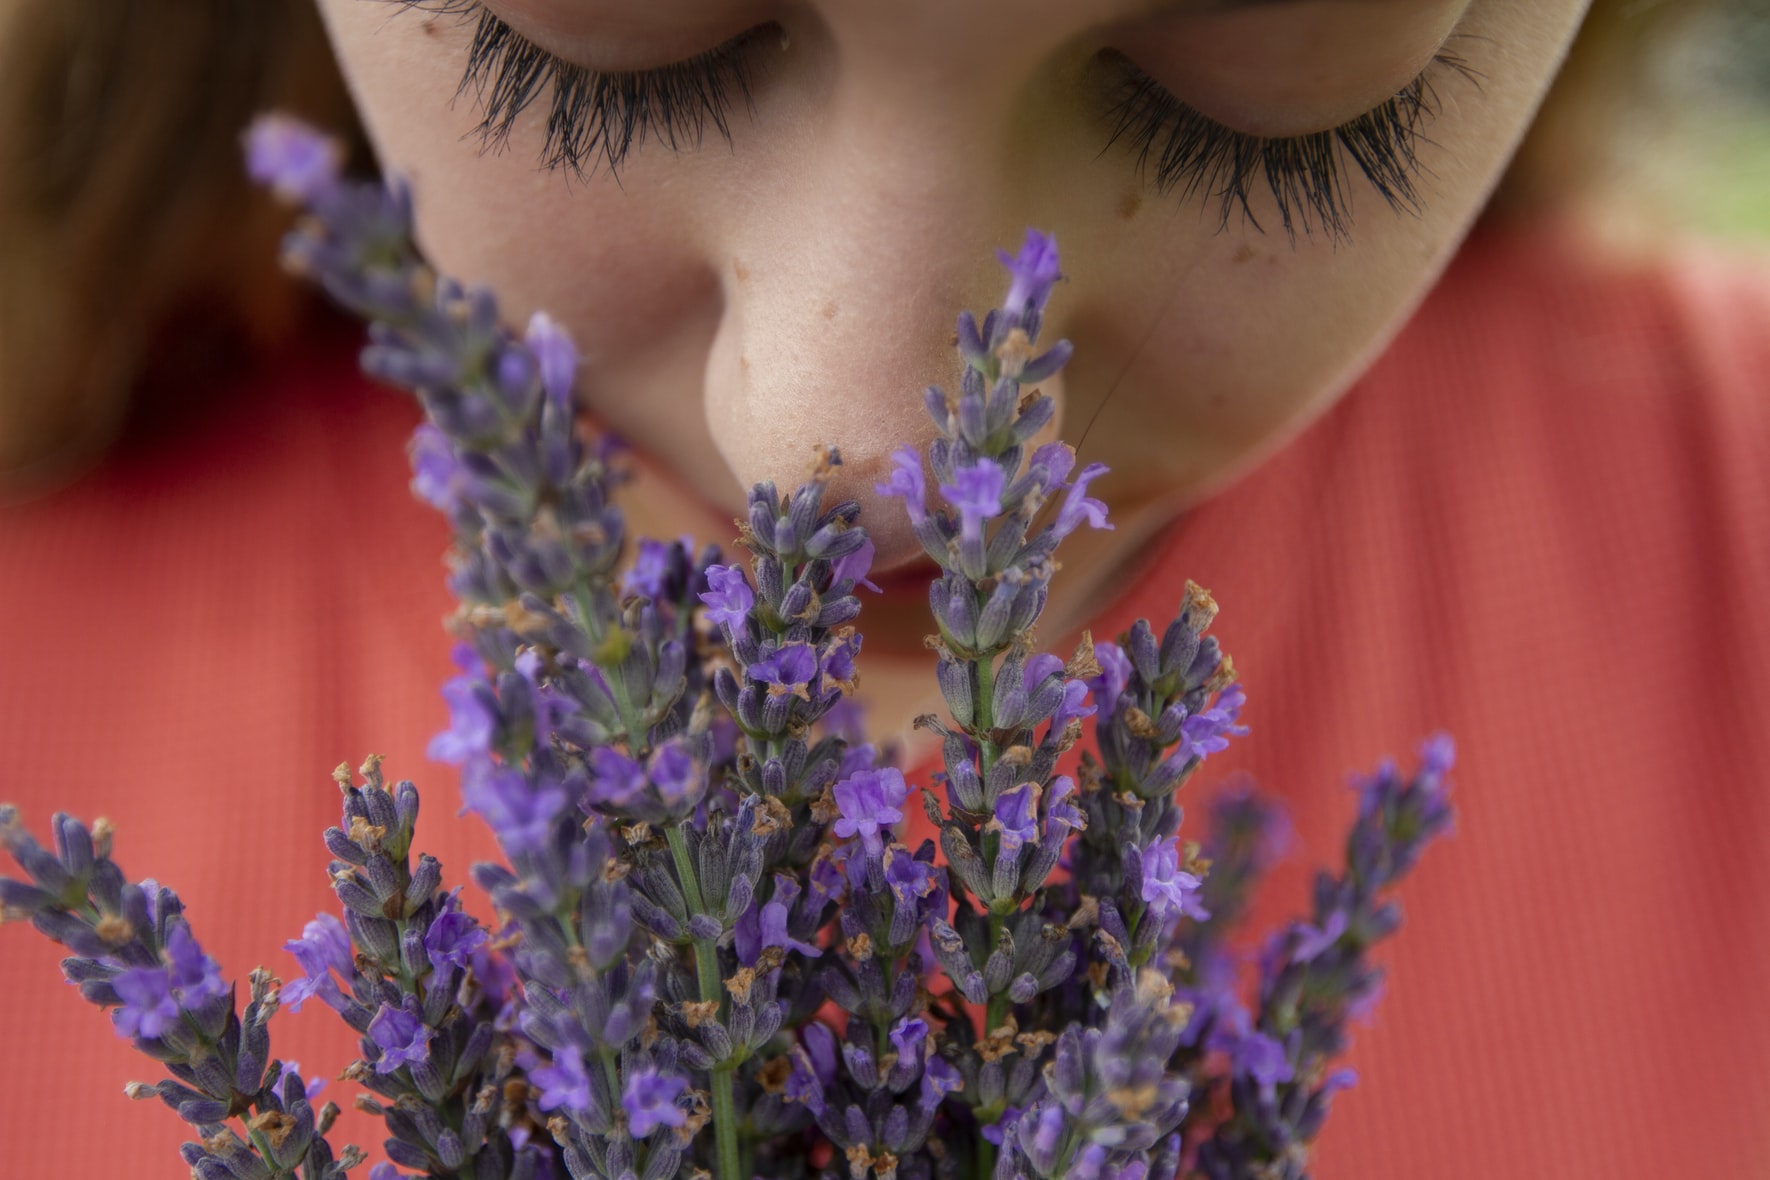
<point x="740" y="302"/>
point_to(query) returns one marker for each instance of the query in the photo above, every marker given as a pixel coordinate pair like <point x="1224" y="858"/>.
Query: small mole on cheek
<point x="743" y="364"/>
<point x="1243" y="253"/>
<point x="739" y="269"/>
<point x="1130" y="203"/>
<point x="829" y="310"/>
<point x="431" y="28"/>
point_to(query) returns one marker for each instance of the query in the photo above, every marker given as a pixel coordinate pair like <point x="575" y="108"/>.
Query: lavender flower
<point x="1017" y="816"/>
<point x="787" y="669"/>
<point x="1079" y="507"/>
<point x="148" y="1007"/>
<point x="520" y="813"/>
<point x="939" y="1078"/>
<point x="729" y="597"/>
<point x="452" y="937"/>
<point x="563" y="1084"/>
<point x="402" y="1036"/>
<point x="909" y="879"/>
<point x="976" y="494"/>
<point x="1035" y="271"/>
<point x="286" y="155"/>
<point x="906" y="483"/>
<point x="649" y="569"/>
<point x="868" y="803"/>
<point x="1209" y="730"/>
<point x="650" y="1102"/>
<point x="908" y="1036"/>
<point x="324" y="947"/>
<point x="1169" y="890"/>
<point x="555" y="356"/>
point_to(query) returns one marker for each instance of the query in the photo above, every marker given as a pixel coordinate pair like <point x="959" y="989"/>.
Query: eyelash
<point x="1306" y="174"/>
<point x="602" y="117"/>
<point x="595" y="117"/>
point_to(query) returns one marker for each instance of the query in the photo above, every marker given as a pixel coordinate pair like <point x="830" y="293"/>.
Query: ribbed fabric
<point x="1541" y="522"/>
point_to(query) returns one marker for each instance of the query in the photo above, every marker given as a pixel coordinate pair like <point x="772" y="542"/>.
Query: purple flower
<point x="1034" y="272"/>
<point x="292" y="1069"/>
<point x="323" y="947"/>
<point x="906" y="483"/>
<point x="615" y="779"/>
<point x="908" y="1035"/>
<point x="453" y="936"/>
<point x="773" y="931"/>
<point x="803" y="1084"/>
<point x="1073" y="707"/>
<point x="194" y="975"/>
<point x="940" y="1077"/>
<point x="976" y="493"/>
<point x="556" y="356"/>
<point x="650" y="568"/>
<point x="1312" y="941"/>
<point x="1039" y="666"/>
<point x="1017" y="816"/>
<point x="828" y="882"/>
<point x="563" y="1083"/>
<point x="868" y="803"/>
<point x="437" y="474"/>
<point x="907" y="877"/>
<point x="550" y="706"/>
<point x="1262" y="1058"/>
<point x="1002" y="1126"/>
<point x="148" y="1008"/>
<point x="472" y="720"/>
<point x="672" y="770"/>
<point x="1115" y="674"/>
<point x="494" y="972"/>
<point x="1057" y="459"/>
<point x="838" y="661"/>
<point x="386" y="1171"/>
<point x="1059" y="809"/>
<point x="856" y="758"/>
<point x="650" y="1101"/>
<point x="1167" y="888"/>
<point x="728" y="597"/>
<point x="520" y="814"/>
<point x="854" y="566"/>
<point x="1079" y="506"/>
<point x="402" y="1035"/>
<point x="295" y="161"/>
<point x="1209" y="730"/>
<point x="786" y="669"/>
<point x="1438" y="754"/>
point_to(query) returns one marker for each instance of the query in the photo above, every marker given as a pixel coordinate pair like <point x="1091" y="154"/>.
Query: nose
<point x="842" y="279"/>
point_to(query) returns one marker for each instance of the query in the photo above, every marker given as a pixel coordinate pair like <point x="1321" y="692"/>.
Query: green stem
<point x="984" y="718"/>
<point x="998" y="1004"/>
<point x="725" y="1130"/>
<point x="706" y="965"/>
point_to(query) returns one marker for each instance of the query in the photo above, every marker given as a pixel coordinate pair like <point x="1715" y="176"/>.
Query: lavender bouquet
<point x="714" y="955"/>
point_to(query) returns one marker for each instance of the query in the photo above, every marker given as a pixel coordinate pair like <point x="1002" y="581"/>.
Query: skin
<point x="737" y="305"/>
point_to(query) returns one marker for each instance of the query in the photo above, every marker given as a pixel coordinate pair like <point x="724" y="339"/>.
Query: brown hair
<point x="133" y="246"/>
<point x="123" y="208"/>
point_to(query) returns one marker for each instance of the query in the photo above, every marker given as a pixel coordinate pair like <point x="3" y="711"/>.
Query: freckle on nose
<point x="739" y="269"/>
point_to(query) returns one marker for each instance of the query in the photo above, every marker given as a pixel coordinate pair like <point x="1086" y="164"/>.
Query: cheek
<point x="615" y="264"/>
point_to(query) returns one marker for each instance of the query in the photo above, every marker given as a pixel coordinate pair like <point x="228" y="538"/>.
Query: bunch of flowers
<point x="714" y="953"/>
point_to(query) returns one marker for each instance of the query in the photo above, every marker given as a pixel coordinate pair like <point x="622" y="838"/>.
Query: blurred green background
<point x="1709" y="161"/>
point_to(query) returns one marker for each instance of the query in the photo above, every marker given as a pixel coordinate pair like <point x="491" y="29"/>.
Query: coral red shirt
<point x="1542" y="522"/>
